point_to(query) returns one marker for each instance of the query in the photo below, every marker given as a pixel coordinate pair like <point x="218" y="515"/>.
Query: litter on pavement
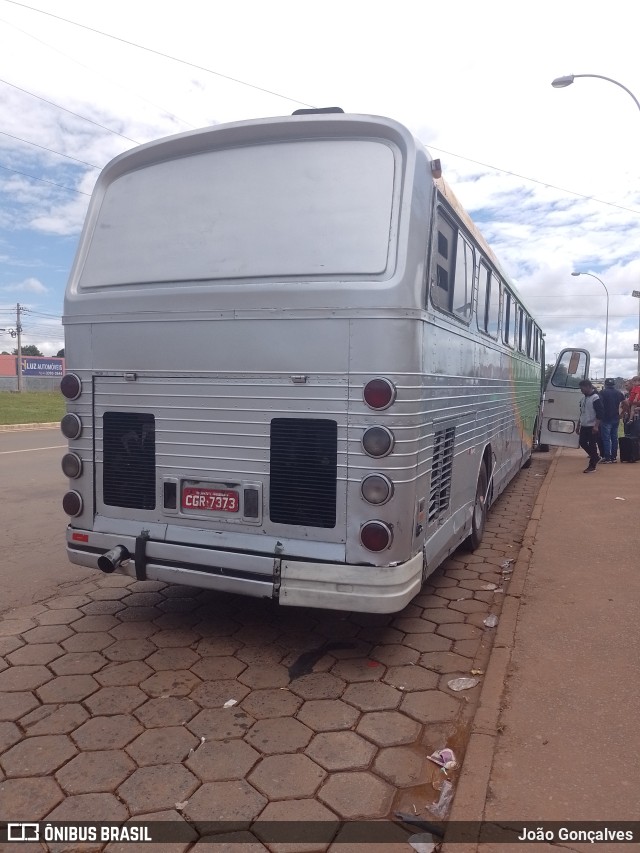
<point x="422" y="843"/>
<point x="443" y="805"/>
<point x="491" y="621"/>
<point x="462" y="683"/>
<point x="444" y="758"/>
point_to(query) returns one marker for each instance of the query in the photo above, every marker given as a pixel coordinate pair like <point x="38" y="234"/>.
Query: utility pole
<point x="18" y="334"/>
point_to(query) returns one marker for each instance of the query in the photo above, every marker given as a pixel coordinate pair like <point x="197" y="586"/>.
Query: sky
<point x="551" y="176"/>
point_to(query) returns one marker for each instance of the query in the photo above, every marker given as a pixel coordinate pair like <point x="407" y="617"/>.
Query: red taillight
<point x="375" y="535"/>
<point x="70" y="386"/>
<point x="379" y="393"/>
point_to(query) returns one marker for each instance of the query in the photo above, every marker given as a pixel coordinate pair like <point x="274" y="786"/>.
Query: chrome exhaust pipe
<point x="110" y="561"/>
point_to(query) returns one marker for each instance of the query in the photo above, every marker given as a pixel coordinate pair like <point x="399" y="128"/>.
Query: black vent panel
<point x="129" y="454"/>
<point x="441" y="471"/>
<point x="304" y="463"/>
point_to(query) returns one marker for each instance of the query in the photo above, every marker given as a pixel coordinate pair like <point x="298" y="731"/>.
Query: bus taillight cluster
<point x="377" y="442"/>
<point x="71" y="426"/>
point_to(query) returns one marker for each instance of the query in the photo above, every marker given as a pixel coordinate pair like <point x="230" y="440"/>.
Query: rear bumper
<point x="295" y="583"/>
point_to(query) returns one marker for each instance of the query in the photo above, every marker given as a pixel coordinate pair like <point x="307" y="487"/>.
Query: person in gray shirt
<point x="591" y="415"/>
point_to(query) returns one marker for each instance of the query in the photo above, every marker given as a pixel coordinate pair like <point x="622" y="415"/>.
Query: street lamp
<point x="606" y="327"/>
<point x="636" y="293"/>
<point x="563" y="82"/>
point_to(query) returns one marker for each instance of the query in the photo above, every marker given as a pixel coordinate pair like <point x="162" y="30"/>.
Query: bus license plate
<point x="213" y="500"/>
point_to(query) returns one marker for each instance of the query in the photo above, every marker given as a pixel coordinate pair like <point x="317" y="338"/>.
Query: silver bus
<point x="295" y="368"/>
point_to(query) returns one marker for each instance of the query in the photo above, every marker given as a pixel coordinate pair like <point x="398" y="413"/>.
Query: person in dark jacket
<point x="611" y="398"/>
<point x="591" y="414"/>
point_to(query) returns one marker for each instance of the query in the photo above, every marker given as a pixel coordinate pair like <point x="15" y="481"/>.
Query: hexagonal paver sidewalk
<point x="133" y="698"/>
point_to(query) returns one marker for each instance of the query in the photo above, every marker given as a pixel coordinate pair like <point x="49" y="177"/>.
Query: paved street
<point x="33" y="522"/>
<point x="123" y="699"/>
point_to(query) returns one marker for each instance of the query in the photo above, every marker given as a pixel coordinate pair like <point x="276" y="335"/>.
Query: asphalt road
<point x="33" y="561"/>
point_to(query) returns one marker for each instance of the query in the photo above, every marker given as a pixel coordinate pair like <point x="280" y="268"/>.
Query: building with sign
<point x="38" y="373"/>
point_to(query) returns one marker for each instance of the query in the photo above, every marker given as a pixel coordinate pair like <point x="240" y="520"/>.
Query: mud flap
<point x="140" y="555"/>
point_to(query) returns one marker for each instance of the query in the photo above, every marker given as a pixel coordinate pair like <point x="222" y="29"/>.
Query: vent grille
<point x="303" y="470"/>
<point x="129" y="468"/>
<point x="440" y="494"/>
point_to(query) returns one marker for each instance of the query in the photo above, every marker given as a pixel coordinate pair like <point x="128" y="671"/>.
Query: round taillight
<point x="376" y="535"/>
<point x="378" y="441"/>
<point x="71" y="465"/>
<point x="379" y="393"/>
<point x="70" y="386"/>
<point x="72" y="503"/>
<point x="71" y="426"/>
<point x="376" y="488"/>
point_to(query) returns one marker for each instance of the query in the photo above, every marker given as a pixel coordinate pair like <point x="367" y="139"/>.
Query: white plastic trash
<point x="462" y="683"/>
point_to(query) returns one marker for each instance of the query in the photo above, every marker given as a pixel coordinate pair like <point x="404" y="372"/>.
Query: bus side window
<point x="493" y="308"/>
<point x="488" y="309"/>
<point x="520" y="327"/>
<point x="463" y="283"/>
<point x="442" y="287"/>
<point x="484" y="294"/>
<point x="528" y="341"/>
<point x="507" y="321"/>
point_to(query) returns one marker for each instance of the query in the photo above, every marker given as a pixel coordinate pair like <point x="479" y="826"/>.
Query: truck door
<point x="561" y="401"/>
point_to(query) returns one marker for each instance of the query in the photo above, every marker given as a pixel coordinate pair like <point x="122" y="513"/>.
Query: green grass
<point x="31" y="407"/>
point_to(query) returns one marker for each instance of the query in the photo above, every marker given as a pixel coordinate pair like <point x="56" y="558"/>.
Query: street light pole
<point x="606" y="327"/>
<point x="567" y="80"/>
<point x="636" y="293"/>
<point x="562" y="83"/>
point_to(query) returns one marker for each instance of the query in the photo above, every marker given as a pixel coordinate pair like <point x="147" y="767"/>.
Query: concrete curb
<point x="473" y="783"/>
<point x="14" y="427"/>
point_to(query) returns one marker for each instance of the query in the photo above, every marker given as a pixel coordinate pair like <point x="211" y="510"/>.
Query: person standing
<point x="611" y="398"/>
<point x="591" y="414"/>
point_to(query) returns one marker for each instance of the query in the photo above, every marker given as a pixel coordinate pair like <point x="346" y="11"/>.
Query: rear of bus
<point x="243" y="344"/>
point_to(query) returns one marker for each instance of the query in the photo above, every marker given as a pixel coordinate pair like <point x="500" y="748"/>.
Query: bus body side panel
<point x="480" y="396"/>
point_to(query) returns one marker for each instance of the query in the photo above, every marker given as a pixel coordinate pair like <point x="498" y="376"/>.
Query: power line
<point x="64" y="109"/>
<point x="93" y="70"/>
<point x="159" y="53"/>
<point x="42" y="314"/>
<point x="285" y="97"/>
<point x="43" y="181"/>
<point x="50" y="150"/>
<point x="524" y="177"/>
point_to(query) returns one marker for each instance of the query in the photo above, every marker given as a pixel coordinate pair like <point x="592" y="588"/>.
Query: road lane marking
<point x="31" y="449"/>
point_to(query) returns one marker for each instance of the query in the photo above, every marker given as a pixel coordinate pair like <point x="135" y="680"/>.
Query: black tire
<point x="527" y="462"/>
<point x="542" y="448"/>
<point x="479" y="517"/>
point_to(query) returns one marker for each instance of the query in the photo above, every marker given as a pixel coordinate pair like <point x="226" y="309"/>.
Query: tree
<point x="30" y="349"/>
<point x="60" y="353"/>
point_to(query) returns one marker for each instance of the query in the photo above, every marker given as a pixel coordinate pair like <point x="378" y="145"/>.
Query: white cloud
<point x="29" y="285"/>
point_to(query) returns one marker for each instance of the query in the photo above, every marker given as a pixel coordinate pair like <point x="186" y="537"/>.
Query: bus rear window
<point x="303" y="208"/>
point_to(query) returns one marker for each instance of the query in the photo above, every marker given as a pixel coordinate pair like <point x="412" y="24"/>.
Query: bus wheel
<point x="527" y="462"/>
<point x="479" y="517"/>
